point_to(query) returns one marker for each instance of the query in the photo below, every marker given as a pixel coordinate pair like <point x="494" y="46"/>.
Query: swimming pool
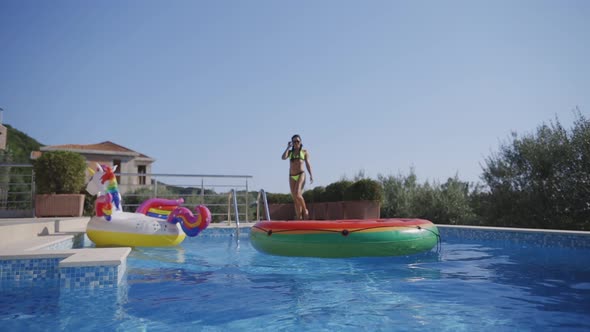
<point x="216" y="282"/>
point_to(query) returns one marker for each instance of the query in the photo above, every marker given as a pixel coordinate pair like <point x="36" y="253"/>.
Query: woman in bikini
<point x="297" y="157"/>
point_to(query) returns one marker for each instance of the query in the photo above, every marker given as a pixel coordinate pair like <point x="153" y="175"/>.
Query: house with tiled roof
<point x="111" y="154"/>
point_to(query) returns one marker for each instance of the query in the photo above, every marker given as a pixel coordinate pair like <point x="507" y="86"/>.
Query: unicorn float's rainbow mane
<point x="104" y="206"/>
<point x="103" y="184"/>
<point x="110" y="181"/>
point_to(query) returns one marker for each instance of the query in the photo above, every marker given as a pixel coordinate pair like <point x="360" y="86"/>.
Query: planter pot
<point x="317" y="211"/>
<point x="62" y="205"/>
<point x="334" y="211"/>
<point x="282" y="211"/>
<point x="361" y="209"/>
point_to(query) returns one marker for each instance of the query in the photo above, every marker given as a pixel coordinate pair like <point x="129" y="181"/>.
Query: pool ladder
<point x="262" y="194"/>
<point x="232" y="202"/>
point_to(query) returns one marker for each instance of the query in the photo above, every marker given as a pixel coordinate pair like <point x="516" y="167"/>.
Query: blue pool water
<point x="219" y="283"/>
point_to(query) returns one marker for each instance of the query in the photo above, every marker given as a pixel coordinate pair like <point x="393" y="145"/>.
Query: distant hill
<point x="18" y="147"/>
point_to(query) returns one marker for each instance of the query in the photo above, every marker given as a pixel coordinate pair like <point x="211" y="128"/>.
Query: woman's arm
<point x="286" y="153"/>
<point x="308" y="166"/>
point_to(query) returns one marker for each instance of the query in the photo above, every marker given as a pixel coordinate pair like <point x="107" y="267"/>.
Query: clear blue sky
<point x="219" y="87"/>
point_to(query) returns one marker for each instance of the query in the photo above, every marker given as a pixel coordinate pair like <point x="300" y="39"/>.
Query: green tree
<point x="451" y="203"/>
<point x="541" y="180"/>
<point x="16" y="181"/>
<point x="447" y="203"/>
<point x="19" y="145"/>
<point x="399" y="195"/>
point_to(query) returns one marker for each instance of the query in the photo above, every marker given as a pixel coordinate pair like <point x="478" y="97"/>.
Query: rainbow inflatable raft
<point x="344" y="238"/>
<point x="156" y="222"/>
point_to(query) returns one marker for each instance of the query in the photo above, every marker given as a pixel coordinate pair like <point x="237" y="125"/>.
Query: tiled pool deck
<point x="40" y="249"/>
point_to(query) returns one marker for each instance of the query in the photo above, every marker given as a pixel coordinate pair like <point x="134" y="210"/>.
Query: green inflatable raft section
<point x="389" y="242"/>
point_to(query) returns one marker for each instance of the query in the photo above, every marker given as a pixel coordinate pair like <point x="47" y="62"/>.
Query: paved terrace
<point x="27" y="234"/>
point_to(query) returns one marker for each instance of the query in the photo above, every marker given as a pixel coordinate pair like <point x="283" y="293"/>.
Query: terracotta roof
<point x="107" y="146"/>
<point x="35" y="154"/>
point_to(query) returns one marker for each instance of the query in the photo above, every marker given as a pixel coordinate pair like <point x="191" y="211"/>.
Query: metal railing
<point x="232" y="202"/>
<point x="262" y="195"/>
<point x="17" y="191"/>
<point x="195" y="189"/>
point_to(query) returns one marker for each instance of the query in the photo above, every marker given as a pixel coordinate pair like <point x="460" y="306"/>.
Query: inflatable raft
<point x="344" y="238"/>
<point x="133" y="230"/>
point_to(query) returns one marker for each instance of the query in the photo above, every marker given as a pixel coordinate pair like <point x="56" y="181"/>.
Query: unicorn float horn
<point x="192" y="224"/>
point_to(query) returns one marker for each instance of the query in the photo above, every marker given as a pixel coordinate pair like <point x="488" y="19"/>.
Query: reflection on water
<point x="157" y="256"/>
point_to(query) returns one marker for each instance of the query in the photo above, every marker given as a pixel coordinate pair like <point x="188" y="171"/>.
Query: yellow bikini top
<point x="300" y="155"/>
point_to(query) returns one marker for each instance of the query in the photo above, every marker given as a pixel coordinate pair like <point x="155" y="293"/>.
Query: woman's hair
<point x="300" y="145"/>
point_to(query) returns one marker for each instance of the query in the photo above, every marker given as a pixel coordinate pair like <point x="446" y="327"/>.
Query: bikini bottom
<point x="296" y="176"/>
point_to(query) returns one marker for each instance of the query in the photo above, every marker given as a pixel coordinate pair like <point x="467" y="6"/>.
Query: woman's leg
<point x="293" y="187"/>
<point x="303" y="213"/>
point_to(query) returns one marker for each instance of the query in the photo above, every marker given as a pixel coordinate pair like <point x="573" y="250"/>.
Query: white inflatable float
<point x="156" y="223"/>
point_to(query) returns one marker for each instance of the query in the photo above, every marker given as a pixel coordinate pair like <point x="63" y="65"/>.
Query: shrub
<point x="308" y="196"/>
<point x="89" y="201"/>
<point x="364" y="190"/>
<point x="316" y="195"/>
<point x="278" y="198"/>
<point x="447" y="203"/>
<point x="60" y="172"/>
<point x="335" y="191"/>
<point x="400" y="195"/>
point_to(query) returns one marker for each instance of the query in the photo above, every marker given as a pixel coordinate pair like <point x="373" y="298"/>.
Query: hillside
<point x="18" y="147"/>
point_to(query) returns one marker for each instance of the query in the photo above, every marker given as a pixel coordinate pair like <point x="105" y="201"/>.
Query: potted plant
<point x="333" y="196"/>
<point x="280" y="206"/>
<point x="314" y="200"/>
<point x="362" y="200"/>
<point x="59" y="177"/>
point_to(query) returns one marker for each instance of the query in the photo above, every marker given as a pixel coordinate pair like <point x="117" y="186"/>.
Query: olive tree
<point x="542" y="179"/>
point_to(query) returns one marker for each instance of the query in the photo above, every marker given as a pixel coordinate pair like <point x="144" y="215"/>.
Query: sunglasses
<point x="296" y="141"/>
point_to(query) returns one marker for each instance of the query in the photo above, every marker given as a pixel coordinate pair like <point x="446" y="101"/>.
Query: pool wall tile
<point x="89" y="277"/>
<point x="38" y="269"/>
<point x="23" y="270"/>
<point x="540" y="238"/>
<point x="82" y="268"/>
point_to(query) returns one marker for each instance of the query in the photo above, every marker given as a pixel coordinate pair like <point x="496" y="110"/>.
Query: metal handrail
<point x="262" y="194"/>
<point x="232" y="197"/>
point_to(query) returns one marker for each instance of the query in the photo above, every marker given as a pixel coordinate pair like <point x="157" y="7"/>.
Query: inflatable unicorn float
<point x="156" y="222"/>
